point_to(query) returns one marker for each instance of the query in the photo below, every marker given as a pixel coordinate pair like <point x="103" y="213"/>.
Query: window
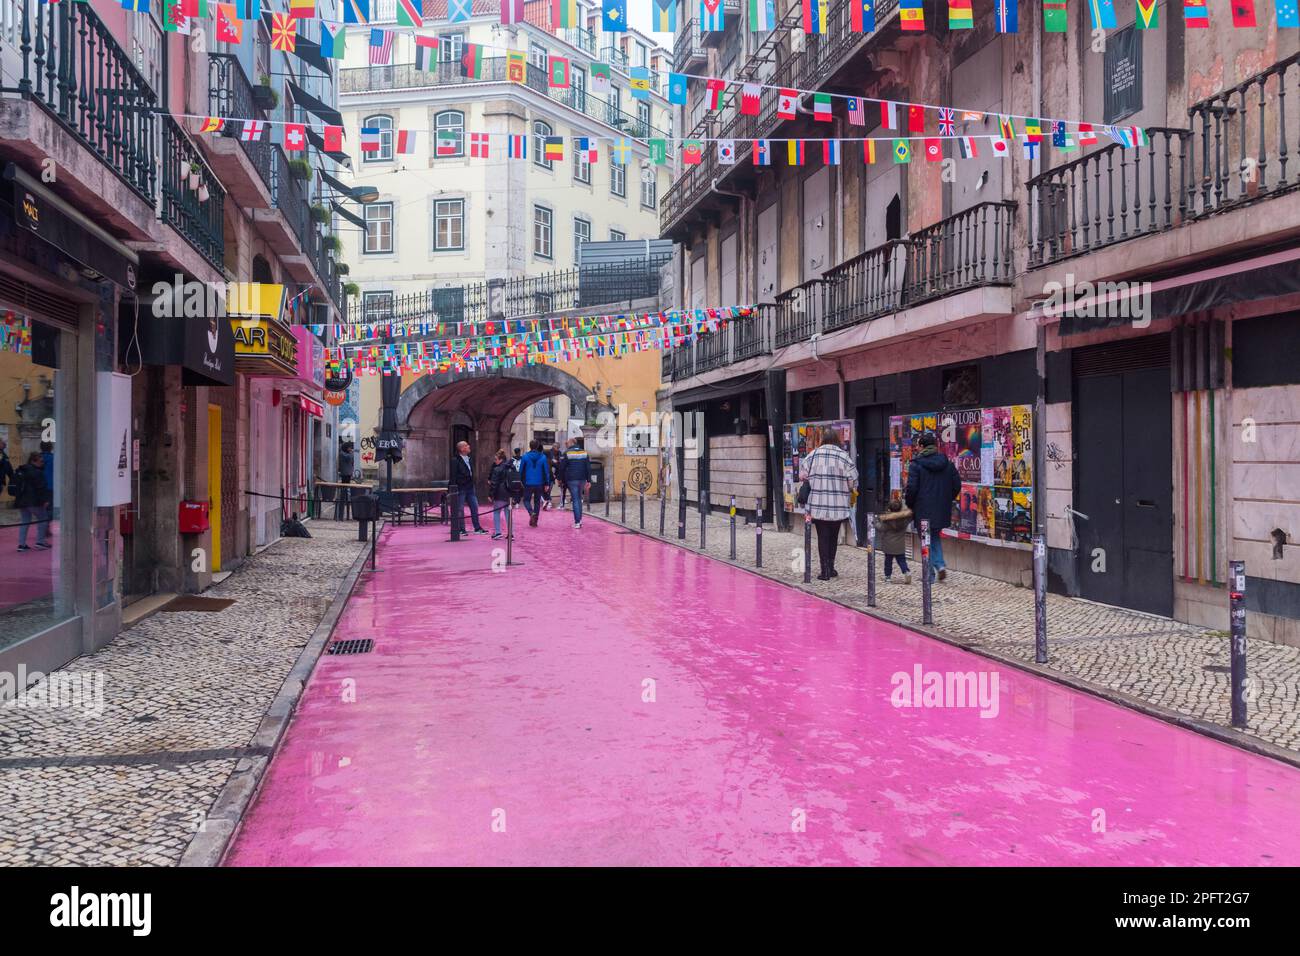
<point x="450" y="47"/>
<point x="376" y="306"/>
<point x="542" y="232"/>
<point x="540" y="132"/>
<point x="545" y="408"/>
<point x="616" y="236"/>
<point x="617" y="178"/>
<point x="581" y="234"/>
<point x="379" y="227"/>
<point x="450" y="121"/>
<point x="448" y="224"/>
<point x="384" y="124"/>
<point x="649" y="187"/>
<point x="615" y="101"/>
<point x="537" y="55"/>
<point x="643" y="119"/>
<point x="581" y="166"/>
<point x="640" y="54"/>
<point x="578" y="79"/>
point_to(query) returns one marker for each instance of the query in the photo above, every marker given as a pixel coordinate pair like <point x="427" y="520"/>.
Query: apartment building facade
<point x="899" y="297"/>
<point x="112" y="210"/>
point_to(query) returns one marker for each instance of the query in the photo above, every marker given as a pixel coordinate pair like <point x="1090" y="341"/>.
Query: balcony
<point x="963" y="252"/>
<point x="198" y="220"/>
<point x="688" y="48"/>
<point x="245" y="167"/>
<point x="585" y="287"/>
<point x="405" y="76"/>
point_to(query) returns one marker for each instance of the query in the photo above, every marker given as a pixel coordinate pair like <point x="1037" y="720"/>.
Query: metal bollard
<point x="510" y="534"/>
<point x="609" y="493"/>
<point x="622" y="503"/>
<point x="871" y="560"/>
<point x="927" y="611"/>
<point x="641" y="506"/>
<point x="704" y="514"/>
<point x="758" y="532"/>
<point x="457" y="516"/>
<point x="733" y="527"/>
<point x="681" y="519"/>
<point x="807" y="548"/>
<point x="663" y="511"/>
<point x="1040" y="599"/>
<point x="1237" y="625"/>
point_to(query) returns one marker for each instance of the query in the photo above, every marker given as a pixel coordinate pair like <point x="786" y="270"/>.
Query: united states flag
<point x="381" y="47"/>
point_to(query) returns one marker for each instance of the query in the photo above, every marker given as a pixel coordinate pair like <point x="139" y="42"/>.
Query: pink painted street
<point x="616" y="700"/>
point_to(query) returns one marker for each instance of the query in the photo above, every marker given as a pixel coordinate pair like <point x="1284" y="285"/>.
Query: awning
<point x="349" y="216"/>
<point x="311" y="407"/>
<point x="318" y="143"/>
<point x="311" y="104"/>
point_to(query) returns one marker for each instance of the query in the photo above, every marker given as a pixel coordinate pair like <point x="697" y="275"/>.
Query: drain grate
<point x="195" y="602"/>
<point x="1217" y="668"/>
<point x="353" y="646"/>
<point x="625" y="532"/>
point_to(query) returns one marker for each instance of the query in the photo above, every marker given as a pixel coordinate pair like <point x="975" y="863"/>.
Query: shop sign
<point x="311" y="407"/>
<point x="265" y="347"/>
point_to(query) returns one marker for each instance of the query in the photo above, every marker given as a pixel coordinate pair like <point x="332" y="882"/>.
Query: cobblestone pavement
<point x="183" y="694"/>
<point x="1178" y="666"/>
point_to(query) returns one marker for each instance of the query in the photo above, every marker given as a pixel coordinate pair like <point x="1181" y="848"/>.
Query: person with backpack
<point x="577" y="476"/>
<point x="500" y="479"/>
<point x="31" y="497"/>
<point x="535" y="472"/>
<point x="932" y="486"/>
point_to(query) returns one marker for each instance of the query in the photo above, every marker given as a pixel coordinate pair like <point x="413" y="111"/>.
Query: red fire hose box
<point x="193" y="517"/>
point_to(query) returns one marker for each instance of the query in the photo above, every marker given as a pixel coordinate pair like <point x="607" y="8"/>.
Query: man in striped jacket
<point x="832" y="478"/>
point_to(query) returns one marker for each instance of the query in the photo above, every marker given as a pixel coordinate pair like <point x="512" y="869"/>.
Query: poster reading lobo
<point x="992" y="450"/>
<point x="798" y="442"/>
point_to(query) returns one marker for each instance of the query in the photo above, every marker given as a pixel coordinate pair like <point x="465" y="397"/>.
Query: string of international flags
<point x="815" y="15"/>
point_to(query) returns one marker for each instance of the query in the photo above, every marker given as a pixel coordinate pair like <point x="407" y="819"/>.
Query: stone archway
<point x="485" y="402"/>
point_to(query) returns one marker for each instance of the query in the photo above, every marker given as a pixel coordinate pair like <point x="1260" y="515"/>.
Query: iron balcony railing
<point x="231" y="95"/>
<point x="1109" y="195"/>
<point x="184" y="179"/>
<point x="688" y="46"/>
<point x="965" y="251"/>
<point x="405" y="76"/>
<point x="289" y="196"/>
<point x="73" y="67"/>
<point x="584" y="287"/>
<point x="1241" y="134"/>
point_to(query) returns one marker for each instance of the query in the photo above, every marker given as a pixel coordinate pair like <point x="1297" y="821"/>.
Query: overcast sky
<point x="638" y="13"/>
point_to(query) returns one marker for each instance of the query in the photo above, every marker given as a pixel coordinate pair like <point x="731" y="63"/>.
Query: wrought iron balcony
<point x="199" y="220"/>
<point x="688" y="47"/>
<point x="231" y="95"/>
<point x="970" y="249"/>
<point x="73" y="67"/>
<point x="866" y="286"/>
<point x="584" y="287"/>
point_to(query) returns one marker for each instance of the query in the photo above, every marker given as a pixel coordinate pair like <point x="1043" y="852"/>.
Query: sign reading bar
<point x="265" y="347"/>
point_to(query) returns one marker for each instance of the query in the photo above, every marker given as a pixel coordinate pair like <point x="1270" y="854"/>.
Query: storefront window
<point x="36" y="403"/>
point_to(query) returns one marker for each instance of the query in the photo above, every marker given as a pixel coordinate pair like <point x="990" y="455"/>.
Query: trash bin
<point x="597" y="494"/>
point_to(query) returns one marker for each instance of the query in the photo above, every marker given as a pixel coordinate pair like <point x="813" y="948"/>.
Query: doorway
<point x="214" y="484"/>
<point x="872" y="430"/>
<point x="1123" y="431"/>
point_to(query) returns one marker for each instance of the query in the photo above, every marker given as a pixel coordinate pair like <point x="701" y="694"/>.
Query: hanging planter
<point x="300" y="169"/>
<point x="333" y="243"/>
<point x="351" y="288"/>
<point x="342" y="268"/>
<point x="319" y="214"/>
<point x="265" y="98"/>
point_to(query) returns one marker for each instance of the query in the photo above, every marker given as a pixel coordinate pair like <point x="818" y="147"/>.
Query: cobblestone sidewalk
<point x="183" y="696"/>
<point x="1173" y="665"/>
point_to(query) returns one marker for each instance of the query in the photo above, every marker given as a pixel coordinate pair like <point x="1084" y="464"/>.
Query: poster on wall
<point x="992" y="450"/>
<point x="800" y="440"/>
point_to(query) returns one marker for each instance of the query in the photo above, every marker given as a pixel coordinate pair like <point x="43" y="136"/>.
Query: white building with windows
<point x="445" y="215"/>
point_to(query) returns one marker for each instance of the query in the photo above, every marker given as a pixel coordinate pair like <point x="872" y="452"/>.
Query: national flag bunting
<point x="564" y="13"/>
<point x="1102" y="13"/>
<point x="447" y="143"/>
<point x="404" y="141"/>
<point x="762" y="152"/>
<point x="302" y="9"/>
<point x="512" y="11"/>
<point x="967" y="148"/>
<point x="284" y="33"/>
<point x="333" y="139"/>
<point x="458" y="11"/>
<point x="663" y="16"/>
<point x="1086" y="135"/>
<point x="677" y="89"/>
<point x="1288" y="14"/>
<point x="933" y="150"/>
<point x="557" y="72"/>
<point x="212" y="124"/>
<point x="711" y="16"/>
<point x="794" y="152"/>
<point x="426" y="53"/>
<point x="479" y="146"/>
<point x="1006" y="128"/>
<point x="333" y="40"/>
<point x="857" y="111"/>
<point x="727" y="152"/>
<point x="750" y="99"/>
<point x="889" y="114"/>
<point x="786" y="102"/>
<point x="553" y="148"/>
<point x="960" y="15"/>
<point x="381" y="47"/>
<point x="1033" y="131"/>
<point x="517" y="147"/>
<point x="639" y="82"/>
<point x="862" y="16"/>
<point x="902" y="151"/>
<point x="1006" y="13"/>
<point x="471" y="61"/>
<point x="516" y="66"/>
<point x="228" y="28"/>
<point x="822" y="107"/>
<point x="814" y="15"/>
<point x="1243" y="14"/>
<point x="762" y="15"/>
<point x="410" y="13"/>
<point x="252" y="130"/>
<point x="1055" y="19"/>
<point x="911" y="16"/>
<point x="613" y="15"/>
<point x="370" y="139"/>
<point x="868" y="151"/>
<point x="713" y="90"/>
<point x="947" y="122"/>
<point x="295" y="137"/>
<point x="1196" y="15"/>
<point x="356" y="11"/>
<point x="831" y="152"/>
<point x="692" y="152"/>
<point x="915" y="118"/>
<point x="600" y="79"/>
<point x="1148" y="15"/>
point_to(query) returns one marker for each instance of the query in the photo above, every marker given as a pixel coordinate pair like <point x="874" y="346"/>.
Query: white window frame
<point x="617" y="235"/>
<point x="650" y="190"/>
<point x="539" y="144"/>
<point x="543" y="231"/>
<point x="578" y="237"/>
<point x="384" y="123"/>
<point x="382" y="314"/>
<point x="617" y="178"/>
<point x="454" y="213"/>
<point x="460" y="133"/>
<point x="392" y="228"/>
<point x="450" y="47"/>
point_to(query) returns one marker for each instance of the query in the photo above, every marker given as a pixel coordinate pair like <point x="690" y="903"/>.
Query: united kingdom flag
<point x="947" y="122"/>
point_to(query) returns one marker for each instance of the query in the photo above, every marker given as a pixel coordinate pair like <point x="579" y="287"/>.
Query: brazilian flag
<point x="902" y="151"/>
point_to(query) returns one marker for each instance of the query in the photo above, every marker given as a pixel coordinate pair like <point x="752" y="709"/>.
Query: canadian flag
<point x="749" y="99"/>
<point x="785" y="104"/>
<point x="295" y="137"/>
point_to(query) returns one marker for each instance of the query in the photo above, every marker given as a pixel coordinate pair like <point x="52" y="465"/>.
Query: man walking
<point x="932" y="486"/>
<point x="6" y="468"/>
<point x="462" y="479"/>
<point x="31" y="498"/>
<point x="577" y="476"/>
<point x="535" y="471"/>
<point x="832" y="478"/>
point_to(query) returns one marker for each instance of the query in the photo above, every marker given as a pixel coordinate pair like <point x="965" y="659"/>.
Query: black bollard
<point x="609" y="493"/>
<point x="681" y="519"/>
<point x="663" y="511"/>
<point x="641" y="506"/>
<point x="758" y="532"/>
<point x="927" y="611"/>
<point x="457" y="516"/>
<point x="622" y="503"/>
<point x="510" y="534"/>
<point x="704" y="514"/>
<point x="871" y="560"/>
<point x="807" y="548"/>
<point x="732" y="513"/>
<point x="1040" y="598"/>
<point x="1237" y="625"/>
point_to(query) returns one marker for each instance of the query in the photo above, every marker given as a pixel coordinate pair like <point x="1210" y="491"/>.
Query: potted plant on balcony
<point x="320" y="214"/>
<point x="300" y="169"/>
<point x="342" y="268"/>
<point x="351" y="289"/>
<point x="334" y="244"/>
<point x="265" y="98"/>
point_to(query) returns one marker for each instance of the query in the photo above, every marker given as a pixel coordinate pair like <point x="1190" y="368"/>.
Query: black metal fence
<point x="231" y="95"/>
<point x="199" y="220"/>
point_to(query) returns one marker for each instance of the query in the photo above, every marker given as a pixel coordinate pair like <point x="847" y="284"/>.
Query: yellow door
<point x="214" y="482"/>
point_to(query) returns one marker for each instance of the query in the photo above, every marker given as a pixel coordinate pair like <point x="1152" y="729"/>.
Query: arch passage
<point x="484" y="403"/>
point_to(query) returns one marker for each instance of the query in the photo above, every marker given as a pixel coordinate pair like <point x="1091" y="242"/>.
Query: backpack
<point x="514" y="484"/>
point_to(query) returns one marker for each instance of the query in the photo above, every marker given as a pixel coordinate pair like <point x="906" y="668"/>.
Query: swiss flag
<point x="333" y="139"/>
<point x="785" y="104"/>
<point x="295" y="137"/>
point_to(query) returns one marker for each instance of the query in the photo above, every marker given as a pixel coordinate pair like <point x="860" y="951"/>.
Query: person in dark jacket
<point x="893" y="538"/>
<point x="576" y="476"/>
<point x="499" y="489"/>
<point x="347" y="464"/>
<point x="557" y="469"/>
<point x="462" y="480"/>
<point x="6" y="469"/>
<point x="31" y="498"/>
<point x="535" y="472"/>
<point x="932" y="486"/>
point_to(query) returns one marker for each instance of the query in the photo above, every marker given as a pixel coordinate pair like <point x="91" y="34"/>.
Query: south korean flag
<point x="727" y="152"/>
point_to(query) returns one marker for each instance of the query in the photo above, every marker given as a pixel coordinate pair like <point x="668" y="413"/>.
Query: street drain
<point x="625" y="532"/>
<point x="1217" y="668"/>
<point x="195" y="602"/>
<point x="354" y="646"/>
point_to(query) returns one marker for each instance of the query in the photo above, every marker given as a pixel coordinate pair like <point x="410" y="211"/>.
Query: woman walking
<point x="832" y="478"/>
<point x="499" y="489"/>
